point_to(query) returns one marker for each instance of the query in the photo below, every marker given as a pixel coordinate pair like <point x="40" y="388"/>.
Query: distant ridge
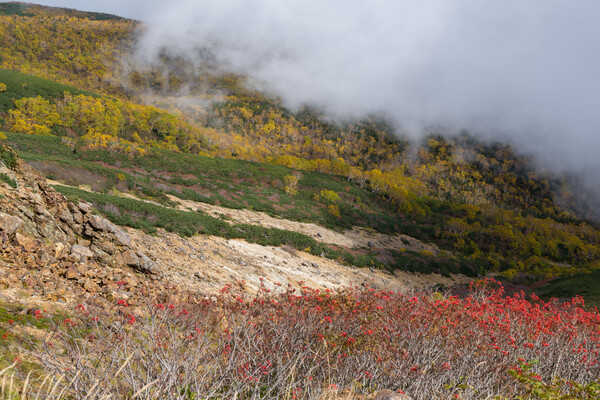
<point x="32" y="10"/>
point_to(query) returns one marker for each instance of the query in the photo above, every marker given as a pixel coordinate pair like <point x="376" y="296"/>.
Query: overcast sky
<point x="526" y="70"/>
<point x="125" y="8"/>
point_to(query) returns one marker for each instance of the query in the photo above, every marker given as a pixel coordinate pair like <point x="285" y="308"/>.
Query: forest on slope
<point x="484" y="202"/>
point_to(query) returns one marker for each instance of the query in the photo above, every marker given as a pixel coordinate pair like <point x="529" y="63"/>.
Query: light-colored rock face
<point x="41" y="210"/>
<point x="85" y="207"/>
<point x="140" y="261"/>
<point x="81" y="253"/>
<point x="355" y="238"/>
<point x="205" y="264"/>
<point x="105" y="231"/>
<point x="34" y="216"/>
<point x="41" y="214"/>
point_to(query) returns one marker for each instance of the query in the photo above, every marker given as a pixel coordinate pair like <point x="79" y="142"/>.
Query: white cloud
<point x="523" y="70"/>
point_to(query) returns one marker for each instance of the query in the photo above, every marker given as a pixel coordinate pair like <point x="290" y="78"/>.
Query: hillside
<point x="128" y="186"/>
<point x="67" y="273"/>
<point x="56" y="255"/>
<point x="484" y="205"/>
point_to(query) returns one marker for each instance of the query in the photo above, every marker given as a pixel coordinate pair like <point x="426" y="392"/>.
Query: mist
<point x="526" y="72"/>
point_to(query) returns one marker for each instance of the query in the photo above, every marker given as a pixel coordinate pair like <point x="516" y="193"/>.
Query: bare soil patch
<point x="355" y="238"/>
<point x="204" y="264"/>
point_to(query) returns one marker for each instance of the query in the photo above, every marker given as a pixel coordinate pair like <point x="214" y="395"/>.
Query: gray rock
<point x="101" y="255"/>
<point x="106" y="246"/>
<point x="103" y="225"/>
<point x="66" y="216"/>
<point x="99" y="223"/>
<point x="84" y="206"/>
<point x="45" y="256"/>
<point x="9" y="224"/>
<point x="122" y="237"/>
<point x="77" y="216"/>
<point x="140" y="262"/>
<point x="84" y="253"/>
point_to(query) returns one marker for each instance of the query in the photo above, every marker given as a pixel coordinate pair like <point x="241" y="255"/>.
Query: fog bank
<point x="522" y="71"/>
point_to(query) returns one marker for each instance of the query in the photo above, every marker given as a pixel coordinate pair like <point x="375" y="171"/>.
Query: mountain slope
<point x="167" y="230"/>
<point x="81" y="255"/>
<point x="487" y="207"/>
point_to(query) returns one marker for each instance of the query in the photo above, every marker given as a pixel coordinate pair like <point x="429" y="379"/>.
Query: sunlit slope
<point x="19" y="85"/>
<point x="479" y="201"/>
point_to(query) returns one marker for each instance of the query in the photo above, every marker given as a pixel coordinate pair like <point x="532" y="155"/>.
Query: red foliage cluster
<point x="304" y="342"/>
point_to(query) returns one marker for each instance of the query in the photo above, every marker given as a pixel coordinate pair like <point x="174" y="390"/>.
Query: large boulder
<point x="99" y="226"/>
<point x="84" y="206"/>
<point x="66" y="216"/>
<point x="9" y="224"/>
<point x="81" y="253"/>
<point x="140" y="262"/>
<point x="29" y="244"/>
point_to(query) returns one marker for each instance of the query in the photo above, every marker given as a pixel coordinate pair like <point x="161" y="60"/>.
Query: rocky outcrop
<point x="38" y="211"/>
<point x="141" y="262"/>
<point x="40" y="230"/>
<point x="36" y="205"/>
<point x="105" y="234"/>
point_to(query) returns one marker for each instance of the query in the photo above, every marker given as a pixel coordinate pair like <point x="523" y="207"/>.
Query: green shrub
<point x="8" y="157"/>
<point x="7" y="179"/>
